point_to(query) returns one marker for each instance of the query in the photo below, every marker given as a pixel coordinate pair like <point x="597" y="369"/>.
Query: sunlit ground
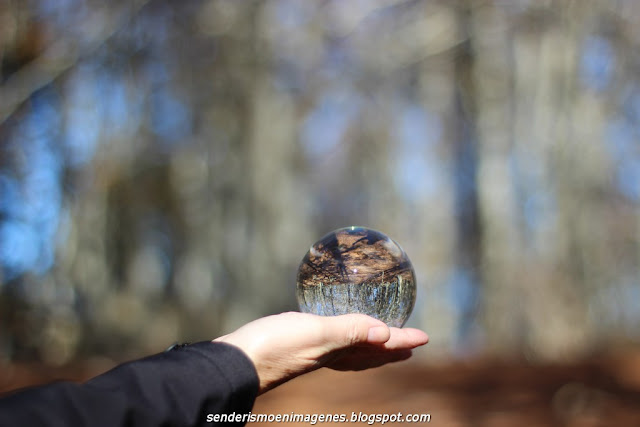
<point x="603" y="391"/>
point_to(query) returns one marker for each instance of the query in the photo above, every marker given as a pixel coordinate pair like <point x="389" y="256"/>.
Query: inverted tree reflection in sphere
<point x="357" y="270"/>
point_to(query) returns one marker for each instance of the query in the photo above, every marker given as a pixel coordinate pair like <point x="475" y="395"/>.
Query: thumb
<point x="353" y="329"/>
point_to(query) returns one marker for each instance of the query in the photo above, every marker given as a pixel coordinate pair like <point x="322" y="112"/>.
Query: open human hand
<point x="287" y="345"/>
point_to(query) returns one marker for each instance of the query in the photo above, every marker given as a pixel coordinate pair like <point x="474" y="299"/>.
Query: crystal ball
<point x="357" y="270"/>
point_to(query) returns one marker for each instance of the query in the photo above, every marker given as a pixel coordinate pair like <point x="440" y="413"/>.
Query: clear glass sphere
<point x="357" y="270"/>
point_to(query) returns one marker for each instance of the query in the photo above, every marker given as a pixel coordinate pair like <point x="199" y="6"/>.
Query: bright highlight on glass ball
<point x="357" y="270"/>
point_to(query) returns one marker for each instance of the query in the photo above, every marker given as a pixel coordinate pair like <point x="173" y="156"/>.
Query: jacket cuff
<point x="233" y="366"/>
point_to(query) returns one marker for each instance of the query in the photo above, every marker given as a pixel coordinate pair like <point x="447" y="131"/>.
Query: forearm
<point x="175" y="388"/>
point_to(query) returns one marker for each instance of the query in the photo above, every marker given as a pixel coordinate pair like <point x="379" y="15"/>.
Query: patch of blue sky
<point x="40" y="174"/>
<point x="292" y="14"/>
<point x="9" y="196"/>
<point x="536" y="200"/>
<point x="538" y="206"/>
<point x="41" y="188"/>
<point x="463" y="288"/>
<point x="62" y="13"/>
<point x="42" y="202"/>
<point x="325" y="126"/>
<point x="621" y="138"/>
<point x="418" y="171"/>
<point x="19" y="248"/>
<point x="631" y="106"/>
<point x="118" y="110"/>
<point x="463" y="294"/>
<point x="622" y="142"/>
<point x="628" y="178"/>
<point x="597" y="62"/>
<point x="84" y="121"/>
<point x="170" y="118"/>
<point x="33" y="199"/>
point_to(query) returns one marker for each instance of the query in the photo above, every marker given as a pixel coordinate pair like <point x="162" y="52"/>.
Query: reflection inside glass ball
<point x="357" y="270"/>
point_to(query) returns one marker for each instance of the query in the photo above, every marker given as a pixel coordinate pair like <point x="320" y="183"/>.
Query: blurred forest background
<point x="164" y="167"/>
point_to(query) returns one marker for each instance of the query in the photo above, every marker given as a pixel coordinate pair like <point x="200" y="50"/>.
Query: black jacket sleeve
<point x="176" y="388"/>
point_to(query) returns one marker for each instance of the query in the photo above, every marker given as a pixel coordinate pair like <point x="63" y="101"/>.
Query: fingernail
<point x="378" y="334"/>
